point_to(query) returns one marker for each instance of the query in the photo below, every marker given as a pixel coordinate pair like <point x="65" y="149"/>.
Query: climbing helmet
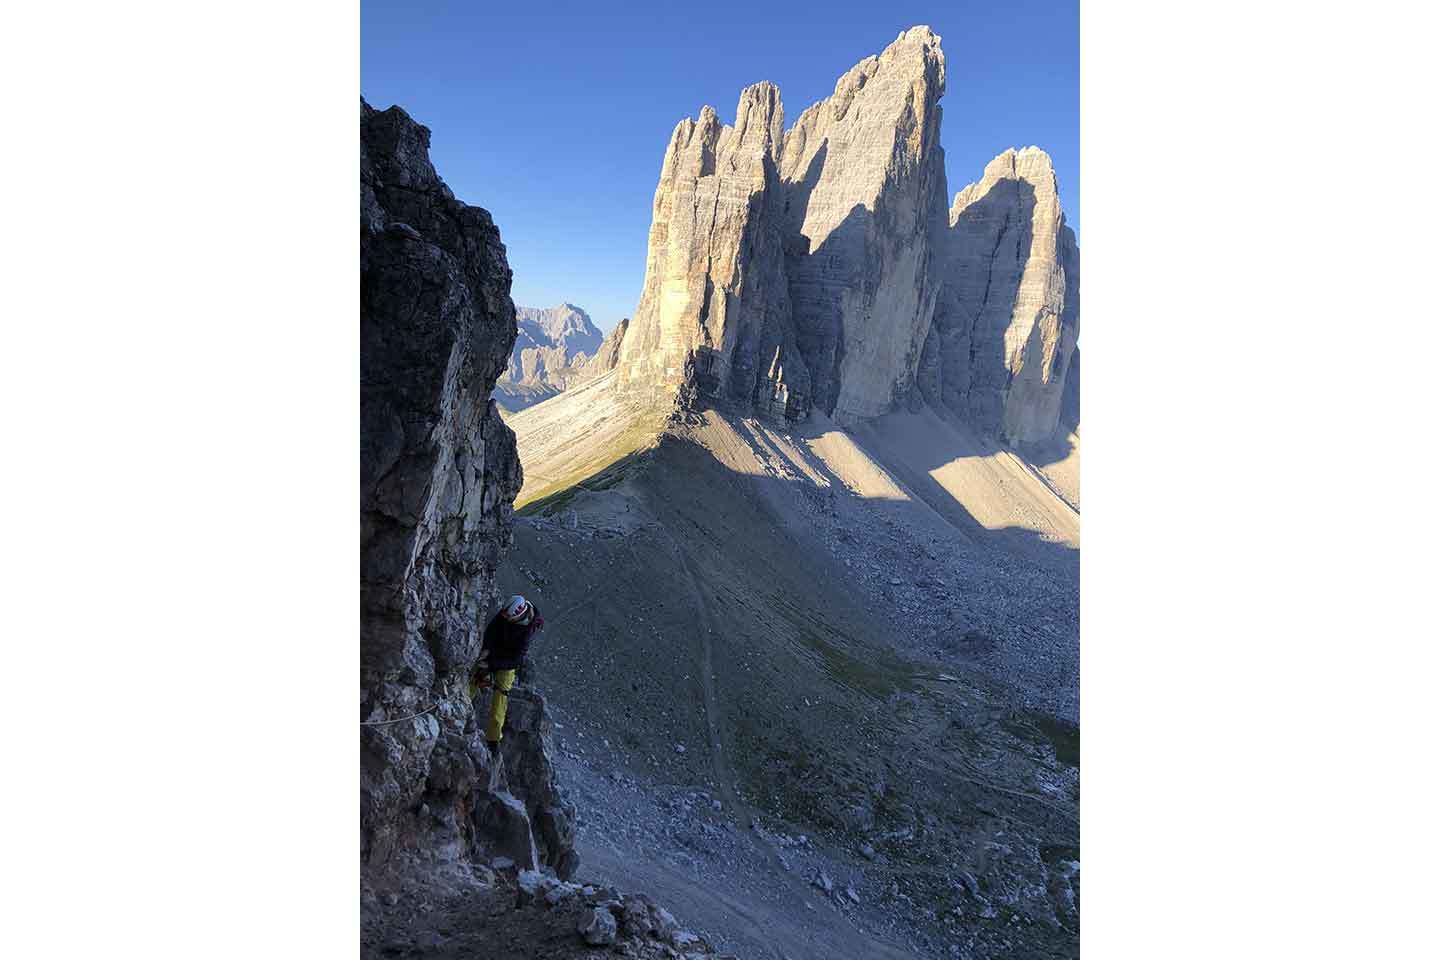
<point x="517" y="609"/>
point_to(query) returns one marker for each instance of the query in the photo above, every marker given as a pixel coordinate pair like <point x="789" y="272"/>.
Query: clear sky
<point x="554" y="116"/>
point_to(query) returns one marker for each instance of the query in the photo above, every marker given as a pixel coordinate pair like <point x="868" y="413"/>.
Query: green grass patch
<point x="1037" y="727"/>
<point x="611" y="475"/>
<point x="878" y="672"/>
<point x="601" y="472"/>
<point x="1055" y="854"/>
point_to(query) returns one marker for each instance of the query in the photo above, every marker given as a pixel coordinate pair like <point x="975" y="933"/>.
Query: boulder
<point x="502" y="820"/>
<point x="597" y="927"/>
<point x="561" y="892"/>
<point x="636" y="916"/>
<point x="530" y="885"/>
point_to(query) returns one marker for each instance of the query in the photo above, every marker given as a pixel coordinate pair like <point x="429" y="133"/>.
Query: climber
<point x="507" y="639"/>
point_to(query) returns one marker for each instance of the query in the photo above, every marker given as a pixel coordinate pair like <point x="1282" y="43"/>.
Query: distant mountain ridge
<point x="552" y="347"/>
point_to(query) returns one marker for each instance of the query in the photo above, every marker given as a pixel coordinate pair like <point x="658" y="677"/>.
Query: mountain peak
<point x="552" y="345"/>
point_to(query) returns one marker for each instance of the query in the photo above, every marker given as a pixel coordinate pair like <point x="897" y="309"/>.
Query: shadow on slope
<point x="987" y="490"/>
<point x="1058" y="461"/>
<point x="690" y="604"/>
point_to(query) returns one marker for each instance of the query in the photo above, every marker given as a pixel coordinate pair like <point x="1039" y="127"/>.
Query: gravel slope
<point x="779" y="622"/>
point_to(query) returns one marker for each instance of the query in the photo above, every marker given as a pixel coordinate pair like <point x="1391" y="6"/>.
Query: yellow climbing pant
<point x="499" y="701"/>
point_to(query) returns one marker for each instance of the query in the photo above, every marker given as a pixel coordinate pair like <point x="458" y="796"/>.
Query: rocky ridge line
<point x="818" y="267"/>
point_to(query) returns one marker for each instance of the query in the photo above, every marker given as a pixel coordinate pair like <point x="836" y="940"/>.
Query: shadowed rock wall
<point x="1009" y="309"/>
<point x="438" y="476"/>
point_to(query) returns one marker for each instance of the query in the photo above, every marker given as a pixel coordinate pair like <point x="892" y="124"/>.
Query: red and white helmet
<point x="516" y="610"/>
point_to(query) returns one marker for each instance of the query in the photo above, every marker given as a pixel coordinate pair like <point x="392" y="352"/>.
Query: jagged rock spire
<point x="715" y="304"/>
<point x="800" y="268"/>
<point x="865" y="177"/>
<point x="1008" y="317"/>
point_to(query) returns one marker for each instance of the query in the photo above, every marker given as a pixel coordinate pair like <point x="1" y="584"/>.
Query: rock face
<point x="865" y="182"/>
<point x="552" y="349"/>
<point x="597" y="926"/>
<point x="1008" y="315"/>
<point x="1070" y="403"/>
<point x="438" y="475"/>
<point x="608" y="355"/>
<point x="530" y="775"/>
<point x="714" y="312"/>
<point x="818" y="266"/>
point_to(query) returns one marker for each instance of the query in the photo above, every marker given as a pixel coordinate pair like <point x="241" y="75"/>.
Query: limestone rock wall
<point x="714" y="311"/>
<point x="609" y="352"/>
<point x="819" y="267"/>
<point x="1070" y="403"/>
<point x="787" y="269"/>
<point x="530" y="775"/>
<point x="864" y="182"/>
<point x="1007" y="317"/>
<point x="1070" y="320"/>
<point x="438" y="476"/>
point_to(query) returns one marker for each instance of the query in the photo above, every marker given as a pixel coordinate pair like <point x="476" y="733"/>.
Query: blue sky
<point x="555" y="116"/>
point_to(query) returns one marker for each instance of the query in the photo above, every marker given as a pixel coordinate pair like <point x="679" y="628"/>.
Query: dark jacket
<point x="506" y="643"/>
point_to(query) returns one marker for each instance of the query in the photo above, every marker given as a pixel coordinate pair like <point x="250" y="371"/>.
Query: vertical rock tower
<point x="819" y="268"/>
<point x="1009" y="311"/>
<point x="864" y="184"/>
<point x="715" y="308"/>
